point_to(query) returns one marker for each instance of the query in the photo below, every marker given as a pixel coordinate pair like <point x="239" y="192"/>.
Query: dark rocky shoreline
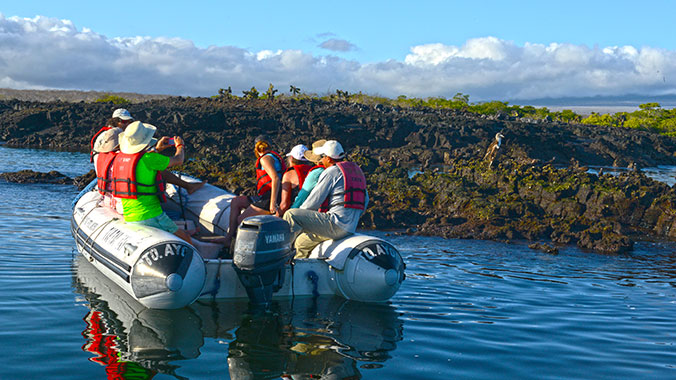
<point x="538" y="189"/>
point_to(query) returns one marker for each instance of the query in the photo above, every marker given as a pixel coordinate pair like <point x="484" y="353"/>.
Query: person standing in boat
<point x="298" y="168"/>
<point x="312" y="177"/>
<point x="341" y="195"/>
<point x="269" y="169"/>
<point x="137" y="179"/>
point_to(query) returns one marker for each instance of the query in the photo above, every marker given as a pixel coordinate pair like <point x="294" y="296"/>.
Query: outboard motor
<point x="262" y="249"/>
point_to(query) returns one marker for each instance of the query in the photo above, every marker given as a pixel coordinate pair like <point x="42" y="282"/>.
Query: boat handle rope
<point x="89" y="212"/>
<point x="314" y="278"/>
<point x="293" y="278"/>
<point x="100" y="228"/>
<point x="77" y="230"/>
<point x="180" y="202"/>
<point x="217" y="282"/>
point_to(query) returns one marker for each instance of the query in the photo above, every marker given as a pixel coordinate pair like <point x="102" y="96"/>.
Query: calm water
<point x="468" y="309"/>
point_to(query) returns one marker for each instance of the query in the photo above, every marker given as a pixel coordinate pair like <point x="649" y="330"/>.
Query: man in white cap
<point x="340" y="193"/>
<point x="137" y="179"/>
<point x="292" y="181"/>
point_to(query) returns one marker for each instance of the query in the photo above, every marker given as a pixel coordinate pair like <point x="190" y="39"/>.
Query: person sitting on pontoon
<point x="137" y="179"/>
<point x="333" y="208"/>
<point x="298" y="168"/>
<point x="114" y="126"/>
<point x="269" y="169"/>
<point x="312" y="176"/>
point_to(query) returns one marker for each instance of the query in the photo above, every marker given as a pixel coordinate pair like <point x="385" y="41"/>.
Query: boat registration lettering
<point x="90" y="224"/>
<point x="165" y="250"/>
<point x="377" y="250"/>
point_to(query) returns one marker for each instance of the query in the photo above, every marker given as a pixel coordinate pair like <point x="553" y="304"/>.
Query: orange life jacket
<point x="263" y="180"/>
<point x="124" y="178"/>
<point x="354" y="180"/>
<point x="91" y="144"/>
<point x="104" y="175"/>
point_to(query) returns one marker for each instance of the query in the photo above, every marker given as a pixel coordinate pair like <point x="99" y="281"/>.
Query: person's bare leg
<point x="183" y="235"/>
<point x="237" y="204"/>
<point x="173" y="179"/>
<point x="251" y="211"/>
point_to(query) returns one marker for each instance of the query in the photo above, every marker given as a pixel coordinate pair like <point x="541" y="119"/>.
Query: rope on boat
<point x="217" y="282"/>
<point x="314" y="278"/>
<point x="100" y="228"/>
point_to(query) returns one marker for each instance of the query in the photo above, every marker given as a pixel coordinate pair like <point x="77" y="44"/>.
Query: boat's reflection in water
<point x="325" y="337"/>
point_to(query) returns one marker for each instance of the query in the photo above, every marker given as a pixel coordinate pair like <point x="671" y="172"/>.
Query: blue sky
<point x="366" y="45"/>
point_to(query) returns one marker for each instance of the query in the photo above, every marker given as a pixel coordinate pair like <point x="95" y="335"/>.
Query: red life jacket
<point x="104" y="175"/>
<point x="263" y="180"/>
<point x="124" y="178"/>
<point x="355" y="187"/>
<point x="302" y="171"/>
<point x="91" y="144"/>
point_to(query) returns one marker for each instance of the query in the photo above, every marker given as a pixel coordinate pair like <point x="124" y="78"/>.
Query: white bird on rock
<point x="493" y="149"/>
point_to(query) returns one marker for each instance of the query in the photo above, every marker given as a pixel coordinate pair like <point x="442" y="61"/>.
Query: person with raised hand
<point x="137" y="177"/>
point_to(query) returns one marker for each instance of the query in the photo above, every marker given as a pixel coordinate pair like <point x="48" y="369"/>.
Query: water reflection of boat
<point x="321" y="336"/>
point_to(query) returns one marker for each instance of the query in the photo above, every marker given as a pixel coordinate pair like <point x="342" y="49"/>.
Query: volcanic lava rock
<point x="30" y="176"/>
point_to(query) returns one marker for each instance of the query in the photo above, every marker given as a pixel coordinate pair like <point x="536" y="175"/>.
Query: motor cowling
<point x="262" y="251"/>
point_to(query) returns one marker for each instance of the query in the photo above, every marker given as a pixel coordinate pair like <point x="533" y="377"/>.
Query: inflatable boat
<point x="162" y="271"/>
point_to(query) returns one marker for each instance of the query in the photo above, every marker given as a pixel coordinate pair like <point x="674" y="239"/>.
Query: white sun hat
<point x="298" y="152"/>
<point x="107" y="141"/>
<point x="331" y="148"/>
<point x="122" y="114"/>
<point x="136" y="137"/>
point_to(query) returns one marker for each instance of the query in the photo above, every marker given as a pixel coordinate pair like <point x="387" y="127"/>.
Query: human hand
<point x="162" y="144"/>
<point x="178" y="141"/>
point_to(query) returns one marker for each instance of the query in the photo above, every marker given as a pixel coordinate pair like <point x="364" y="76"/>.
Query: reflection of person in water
<point x="130" y="341"/>
<point x="104" y="344"/>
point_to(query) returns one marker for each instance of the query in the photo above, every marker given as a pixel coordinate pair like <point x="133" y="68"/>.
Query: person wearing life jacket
<point x="269" y="170"/>
<point x="343" y="185"/>
<point x="312" y="177"/>
<point x="137" y="179"/>
<point x="118" y="122"/>
<point x="104" y="153"/>
<point x="292" y="181"/>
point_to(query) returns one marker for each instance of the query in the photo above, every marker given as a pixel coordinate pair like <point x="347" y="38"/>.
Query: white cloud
<point x="44" y="52"/>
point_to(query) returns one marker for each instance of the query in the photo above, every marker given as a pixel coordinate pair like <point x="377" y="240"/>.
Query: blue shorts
<point x="162" y="222"/>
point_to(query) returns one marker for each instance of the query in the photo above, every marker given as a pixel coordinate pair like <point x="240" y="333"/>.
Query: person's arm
<point x="320" y="192"/>
<point x="287" y="187"/>
<point x="268" y="164"/>
<point x="300" y="198"/>
<point x="308" y="185"/>
<point x="179" y="156"/>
